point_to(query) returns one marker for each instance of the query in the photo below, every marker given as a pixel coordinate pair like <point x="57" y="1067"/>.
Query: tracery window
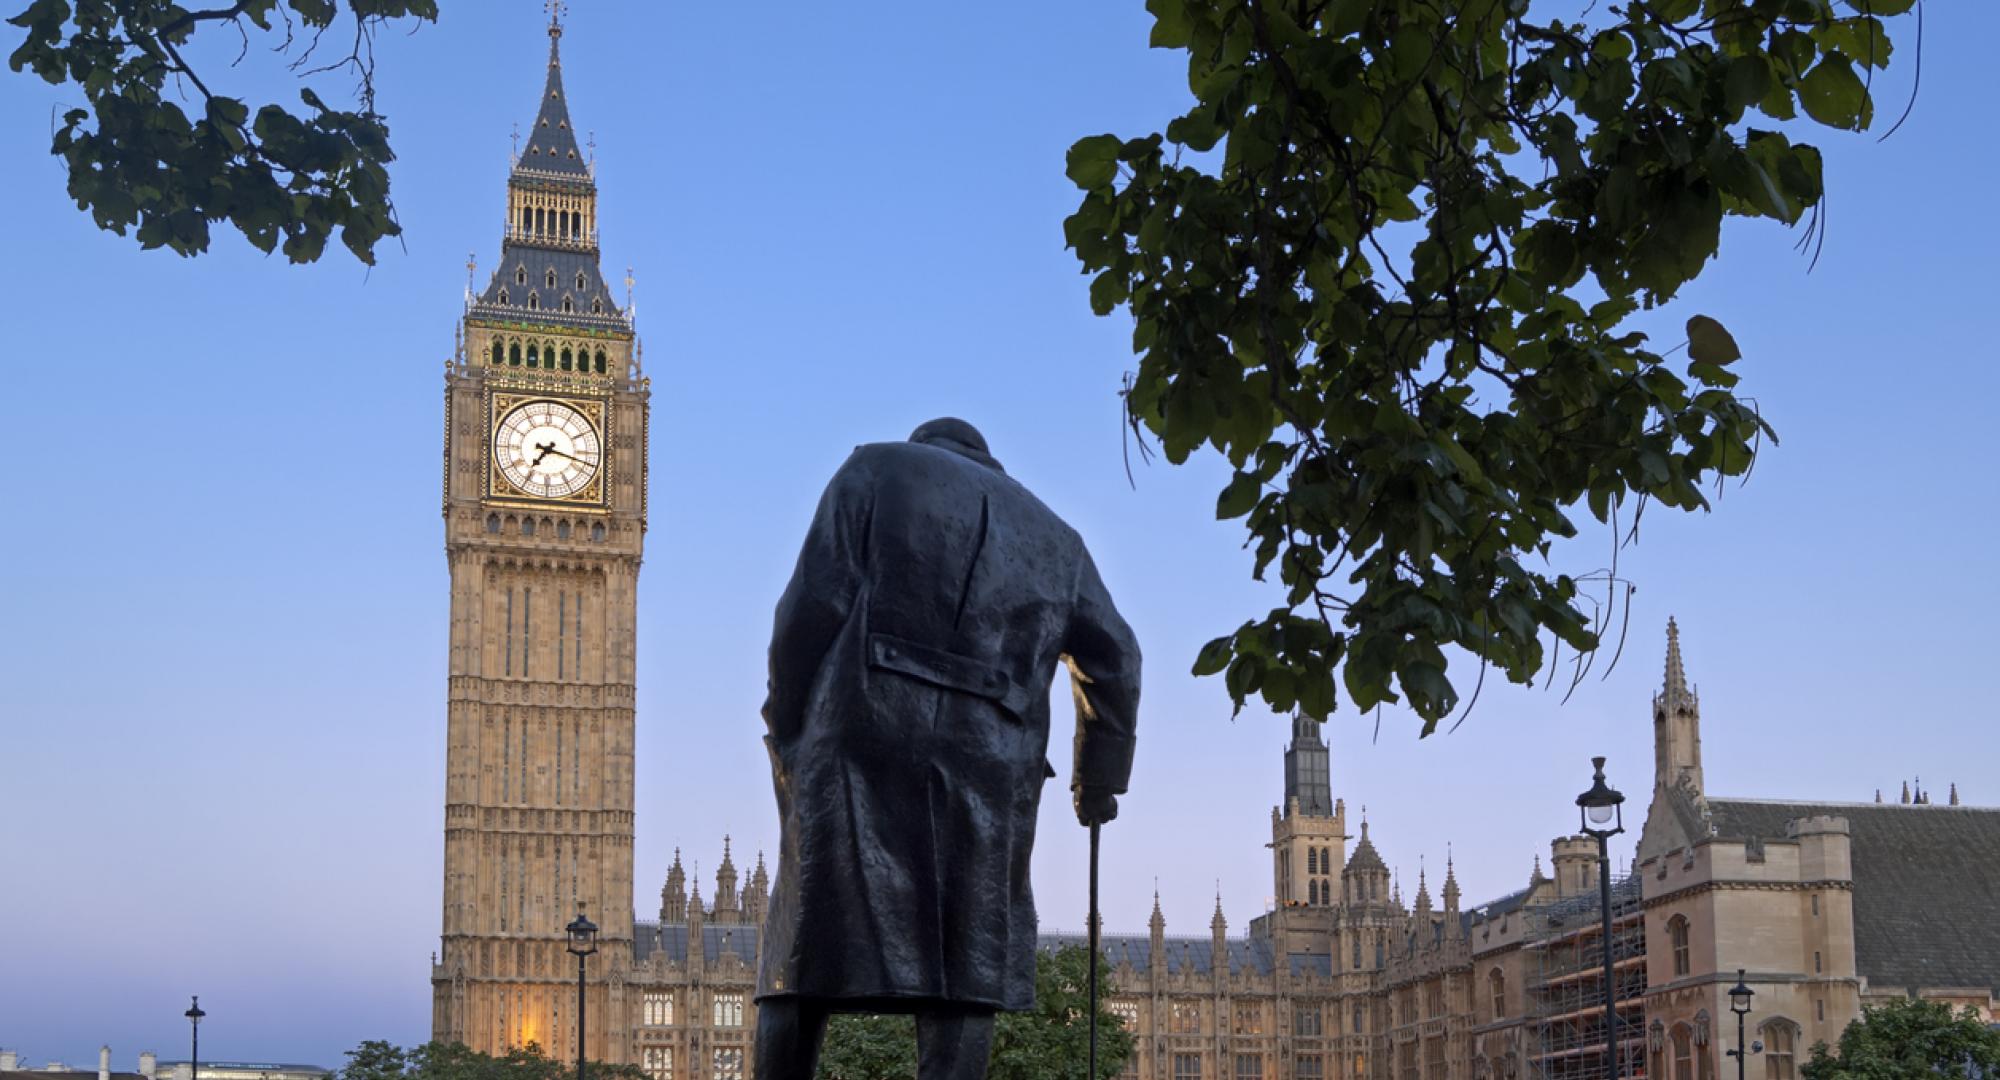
<point x="1187" y="1067"/>
<point x="1306" y="1019"/>
<point x="658" y="1063"/>
<point x="728" y="1064"/>
<point x="1186" y="1018"/>
<point x="1249" y="1067"/>
<point x="1127" y="1013"/>
<point x="1312" y="860"/>
<point x="659" y="1009"/>
<point x="1677" y="939"/>
<point x="1308" y="1067"/>
<point x="1780" y="1042"/>
<point x="1497" y="987"/>
<point x="728" y="1010"/>
<point x="1249" y="1018"/>
<point x="1683" y="1040"/>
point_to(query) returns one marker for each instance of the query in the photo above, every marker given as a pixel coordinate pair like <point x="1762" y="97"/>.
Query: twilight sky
<point x="222" y="651"/>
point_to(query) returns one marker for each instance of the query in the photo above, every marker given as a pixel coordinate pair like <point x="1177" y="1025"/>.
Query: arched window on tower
<point x="534" y="302"/>
<point x="534" y="356"/>
<point x="551" y="277"/>
<point x="1496" y="988"/>
<point x="499" y="354"/>
<point x="597" y="305"/>
<point x="1780" y="1044"/>
<point x="600" y="361"/>
<point x="1677" y="940"/>
<point x="565" y="359"/>
<point x="527" y="219"/>
<point x="568" y="306"/>
<point x="1312" y="893"/>
<point x="582" y="282"/>
<point x="520" y="275"/>
<point x="1357" y="966"/>
<point x="1683" y="1040"/>
<point x="514" y="355"/>
<point x="597" y="530"/>
<point x="493" y="523"/>
<point x="1312" y="860"/>
<point x="540" y="220"/>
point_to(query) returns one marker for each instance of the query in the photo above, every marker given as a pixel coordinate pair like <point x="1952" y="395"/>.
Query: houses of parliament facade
<point x="1824" y="906"/>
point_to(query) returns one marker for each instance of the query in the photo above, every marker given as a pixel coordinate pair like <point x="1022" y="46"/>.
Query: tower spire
<point x="1307" y="776"/>
<point x="1675" y="685"/>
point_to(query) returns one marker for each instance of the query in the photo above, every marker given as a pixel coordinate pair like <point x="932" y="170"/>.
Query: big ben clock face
<point x="547" y="449"/>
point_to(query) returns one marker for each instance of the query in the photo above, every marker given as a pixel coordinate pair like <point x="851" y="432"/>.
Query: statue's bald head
<point x="950" y="429"/>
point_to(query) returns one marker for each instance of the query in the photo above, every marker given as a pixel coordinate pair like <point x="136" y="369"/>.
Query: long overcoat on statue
<point x="908" y="719"/>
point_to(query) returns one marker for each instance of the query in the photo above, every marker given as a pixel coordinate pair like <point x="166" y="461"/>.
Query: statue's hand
<point x="1095" y="806"/>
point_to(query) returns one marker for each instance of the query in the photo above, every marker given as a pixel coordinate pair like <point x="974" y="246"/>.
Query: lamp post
<point x="194" y="1015"/>
<point x="582" y="942"/>
<point x="1739" y="1003"/>
<point x="1604" y="818"/>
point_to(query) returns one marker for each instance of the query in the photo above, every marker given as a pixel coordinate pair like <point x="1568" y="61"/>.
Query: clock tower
<point x="545" y="521"/>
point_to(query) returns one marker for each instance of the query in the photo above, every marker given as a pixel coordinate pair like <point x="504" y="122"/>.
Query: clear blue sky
<point x="222" y="651"/>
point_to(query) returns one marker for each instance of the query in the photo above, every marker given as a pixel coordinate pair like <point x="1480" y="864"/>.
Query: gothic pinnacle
<point x="1675" y="686"/>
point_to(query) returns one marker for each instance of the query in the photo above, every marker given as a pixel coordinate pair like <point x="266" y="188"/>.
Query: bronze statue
<point x="908" y="718"/>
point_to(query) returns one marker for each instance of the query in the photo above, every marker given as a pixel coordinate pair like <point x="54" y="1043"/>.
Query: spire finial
<point x="1906" y="793"/>
<point x="556" y="9"/>
<point x="515" y="138"/>
<point x="1954" y="793"/>
<point x="1675" y="687"/>
<point x="471" y="262"/>
<point x="1878" y="794"/>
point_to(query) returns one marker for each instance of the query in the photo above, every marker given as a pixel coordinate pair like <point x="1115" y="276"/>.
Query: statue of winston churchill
<point x="908" y="719"/>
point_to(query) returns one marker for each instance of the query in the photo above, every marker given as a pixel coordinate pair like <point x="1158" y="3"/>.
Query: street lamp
<point x="1604" y="818"/>
<point x="194" y="1015"/>
<point x="1739" y="1003"/>
<point x="582" y="942"/>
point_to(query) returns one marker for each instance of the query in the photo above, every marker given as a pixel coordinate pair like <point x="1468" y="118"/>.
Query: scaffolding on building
<point x="1565" y="986"/>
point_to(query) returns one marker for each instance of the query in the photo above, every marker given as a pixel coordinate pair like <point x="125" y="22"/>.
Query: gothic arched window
<point x="527" y="529"/>
<point x="493" y="523"/>
<point x="534" y="302"/>
<point x="600" y="361"/>
<point x="1780" y="1044"/>
<point x="567" y="307"/>
<point x="1312" y="893"/>
<point x="1312" y="860"/>
<point x="597" y="306"/>
<point x="514" y="355"/>
<point x="534" y="357"/>
<point x="566" y="356"/>
<point x="1496" y="985"/>
<point x="1677" y="938"/>
<point x="582" y="282"/>
<point x="499" y="354"/>
<point x="1683" y="1040"/>
<point x="520" y="275"/>
<point x="597" y="530"/>
<point x="552" y="277"/>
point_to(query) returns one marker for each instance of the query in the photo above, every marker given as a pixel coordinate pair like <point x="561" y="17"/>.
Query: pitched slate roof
<point x="737" y="939"/>
<point x="1926" y="884"/>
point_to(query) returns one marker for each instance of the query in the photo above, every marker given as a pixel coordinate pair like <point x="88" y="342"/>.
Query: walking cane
<point x="1094" y="947"/>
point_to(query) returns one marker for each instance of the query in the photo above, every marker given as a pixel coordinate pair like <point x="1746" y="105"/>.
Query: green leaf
<point x="1239" y="497"/>
<point x="1746" y="81"/>
<point x="1214" y="656"/>
<point x="1093" y="161"/>
<point x="1710" y="343"/>
<point x="1833" y="94"/>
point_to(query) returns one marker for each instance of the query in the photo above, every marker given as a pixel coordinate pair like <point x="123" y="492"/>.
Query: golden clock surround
<point x="501" y="492"/>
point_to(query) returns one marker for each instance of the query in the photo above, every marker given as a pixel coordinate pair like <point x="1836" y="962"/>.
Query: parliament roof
<point x="1925" y="882"/>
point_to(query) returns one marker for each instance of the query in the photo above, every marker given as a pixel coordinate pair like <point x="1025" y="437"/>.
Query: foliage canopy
<point x="1385" y="266"/>
<point x="378" y="1060"/>
<point x="1910" y="1040"/>
<point x="136" y="157"/>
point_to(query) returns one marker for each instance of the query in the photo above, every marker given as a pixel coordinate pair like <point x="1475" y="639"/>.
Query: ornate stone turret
<point x="1218" y="928"/>
<point x="1450" y="889"/>
<point x="673" y="895"/>
<point x="1157" y="948"/>
<point x="1676" y="723"/>
<point x="758" y="901"/>
<point x="1423" y="893"/>
<point x="1954" y="793"/>
<point x="696" y="920"/>
<point x="727" y="909"/>
<point x="1365" y="879"/>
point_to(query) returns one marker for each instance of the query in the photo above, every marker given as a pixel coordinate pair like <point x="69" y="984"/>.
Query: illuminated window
<point x="658" y="1063"/>
<point x="1677" y="938"/>
<point x="1249" y="1018"/>
<point x="1187" y="1018"/>
<point x="1306" y="1019"/>
<point x="728" y="1064"/>
<point x="728" y="1012"/>
<point x="1127" y="1013"/>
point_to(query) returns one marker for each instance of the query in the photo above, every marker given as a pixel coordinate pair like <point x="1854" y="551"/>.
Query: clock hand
<point x="572" y="457"/>
<point x="546" y="449"/>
